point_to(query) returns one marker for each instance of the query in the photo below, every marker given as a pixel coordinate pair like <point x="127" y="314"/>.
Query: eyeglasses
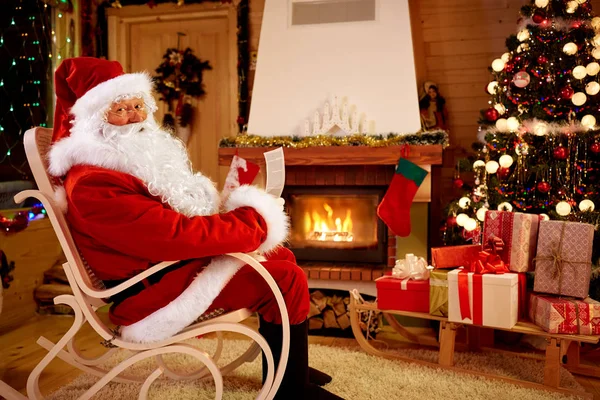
<point x="123" y="111"/>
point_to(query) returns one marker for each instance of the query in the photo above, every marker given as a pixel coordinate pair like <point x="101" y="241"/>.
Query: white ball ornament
<point x="541" y="3"/>
<point x="586" y="205"/>
<point x="464" y="202"/>
<point x="470" y="225"/>
<point x="596" y="40"/>
<point x="540" y="129"/>
<point x="505" y="161"/>
<point x="513" y="124"/>
<point x="595" y="23"/>
<point x="523" y="35"/>
<point x="502" y="124"/>
<point x="572" y="7"/>
<point x="570" y="48"/>
<point x="506" y="206"/>
<point x="592" y="88"/>
<point x="481" y="213"/>
<point x="492" y="167"/>
<point x="478" y="164"/>
<point x="492" y="87"/>
<point x="563" y="208"/>
<point x="592" y="68"/>
<point x="498" y="65"/>
<point x="523" y="47"/>
<point x="589" y="121"/>
<point x="505" y="57"/>
<point x="579" y="98"/>
<point x="500" y="108"/>
<point x="579" y="72"/>
<point x="596" y="53"/>
<point x="545" y="217"/>
<point x="461" y="219"/>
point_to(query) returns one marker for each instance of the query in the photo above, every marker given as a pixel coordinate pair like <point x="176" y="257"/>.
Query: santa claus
<point x="132" y="199"/>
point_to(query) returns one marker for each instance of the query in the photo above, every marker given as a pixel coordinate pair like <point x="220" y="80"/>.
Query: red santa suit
<point x="122" y="224"/>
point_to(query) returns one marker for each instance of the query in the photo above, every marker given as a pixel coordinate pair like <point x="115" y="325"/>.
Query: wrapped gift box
<point x="438" y="292"/>
<point x="402" y="294"/>
<point x="518" y="233"/>
<point x="487" y="300"/>
<point x="454" y="256"/>
<point x="563" y="315"/>
<point x="563" y="263"/>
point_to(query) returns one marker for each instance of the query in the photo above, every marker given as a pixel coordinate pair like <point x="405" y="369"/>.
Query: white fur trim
<point x="187" y="307"/>
<point x="268" y="207"/>
<point x="60" y="199"/>
<point x="100" y="96"/>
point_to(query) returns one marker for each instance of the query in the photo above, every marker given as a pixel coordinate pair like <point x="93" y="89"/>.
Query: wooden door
<point x="139" y="37"/>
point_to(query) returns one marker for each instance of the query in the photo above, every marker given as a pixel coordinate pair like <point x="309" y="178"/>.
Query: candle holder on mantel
<point x="332" y="117"/>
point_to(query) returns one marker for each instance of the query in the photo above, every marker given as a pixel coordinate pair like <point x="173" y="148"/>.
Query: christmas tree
<point x="539" y="148"/>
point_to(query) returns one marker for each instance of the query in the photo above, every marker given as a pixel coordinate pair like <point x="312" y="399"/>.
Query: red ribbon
<point x="494" y="244"/>
<point x="485" y="264"/>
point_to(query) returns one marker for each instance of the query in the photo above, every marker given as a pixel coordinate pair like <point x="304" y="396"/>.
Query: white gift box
<point x="493" y="299"/>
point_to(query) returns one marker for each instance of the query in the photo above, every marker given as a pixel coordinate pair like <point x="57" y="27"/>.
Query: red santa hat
<point x="85" y="87"/>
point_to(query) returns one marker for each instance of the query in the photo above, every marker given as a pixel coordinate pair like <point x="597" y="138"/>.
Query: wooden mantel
<point x="338" y="155"/>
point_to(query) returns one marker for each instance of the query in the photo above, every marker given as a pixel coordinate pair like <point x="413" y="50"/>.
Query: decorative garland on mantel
<point x="300" y="142"/>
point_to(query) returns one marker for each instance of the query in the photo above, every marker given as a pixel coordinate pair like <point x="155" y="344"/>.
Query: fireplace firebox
<point x="336" y="223"/>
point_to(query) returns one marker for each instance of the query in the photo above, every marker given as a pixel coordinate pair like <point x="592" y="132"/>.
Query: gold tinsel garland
<point x="391" y="139"/>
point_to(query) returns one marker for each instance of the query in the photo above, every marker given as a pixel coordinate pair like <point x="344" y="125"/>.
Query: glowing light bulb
<point x="563" y="208"/>
<point x="586" y="205"/>
<point x="492" y="167"/>
<point x="505" y="161"/>
<point x="470" y="224"/>
<point x="464" y="202"/>
<point x="481" y="213"/>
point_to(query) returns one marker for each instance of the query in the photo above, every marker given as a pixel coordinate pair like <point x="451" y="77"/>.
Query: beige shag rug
<point x="356" y="376"/>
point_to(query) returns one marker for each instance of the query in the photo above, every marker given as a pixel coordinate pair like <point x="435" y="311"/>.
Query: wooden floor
<point x="19" y="353"/>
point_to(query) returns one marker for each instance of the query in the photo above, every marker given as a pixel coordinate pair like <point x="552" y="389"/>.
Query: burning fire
<point x="327" y="228"/>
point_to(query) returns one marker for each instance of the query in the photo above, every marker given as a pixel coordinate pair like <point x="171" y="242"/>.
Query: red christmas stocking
<point x="394" y="209"/>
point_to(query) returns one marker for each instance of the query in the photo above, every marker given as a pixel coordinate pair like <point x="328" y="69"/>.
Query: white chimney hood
<point x="313" y="51"/>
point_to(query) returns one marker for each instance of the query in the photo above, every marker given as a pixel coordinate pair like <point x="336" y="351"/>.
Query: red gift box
<point x="454" y="256"/>
<point x="565" y="315"/>
<point x="402" y="294"/>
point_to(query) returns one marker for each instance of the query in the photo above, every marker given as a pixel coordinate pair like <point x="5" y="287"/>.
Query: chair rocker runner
<point x="88" y="293"/>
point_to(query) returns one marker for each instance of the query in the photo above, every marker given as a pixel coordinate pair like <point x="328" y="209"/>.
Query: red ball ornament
<point x="458" y="183"/>
<point x="560" y="153"/>
<point x="491" y="114"/>
<point x="503" y="173"/>
<point x="451" y="221"/>
<point x="509" y="67"/>
<point x="542" y="60"/>
<point x="538" y="17"/>
<point x="241" y="120"/>
<point x="595" y="148"/>
<point x="566" y="93"/>
<point x="543" y="187"/>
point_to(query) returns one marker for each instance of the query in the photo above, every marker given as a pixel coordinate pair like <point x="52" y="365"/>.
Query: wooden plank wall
<point x="455" y="42"/>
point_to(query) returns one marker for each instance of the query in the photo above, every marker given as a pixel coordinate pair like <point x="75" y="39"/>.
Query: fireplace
<point x="336" y="223"/>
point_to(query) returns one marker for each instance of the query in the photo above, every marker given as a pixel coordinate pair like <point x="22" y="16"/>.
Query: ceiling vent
<point x="311" y="12"/>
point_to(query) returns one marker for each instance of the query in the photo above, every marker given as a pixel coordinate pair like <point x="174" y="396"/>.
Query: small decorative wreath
<point x="180" y="78"/>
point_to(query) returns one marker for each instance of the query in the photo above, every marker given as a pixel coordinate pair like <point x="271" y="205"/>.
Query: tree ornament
<point x="500" y="108"/>
<point x="503" y="173"/>
<point x="542" y="59"/>
<point x="592" y="68"/>
<point x="541" y="3"/>
<point x="458" y="183"/>
<point x="478" y="164"/>
<point x="509" y="68"/>
<point x="512" y="124"/>
<point x="586" y="205"/>
<point x="560" y="153"/>
<point x="461" y="219"/>
<point x="491" y="114"/>
<point x="540" y="129"/>
<point x="498" y="65"/>
<point x="579" y="72"/>
<point x="592" y="88"/>
<point x="505" y="206"/>
<point x="470" y="225"/>
<point x="522" y="149"/>
<point x="464" y="202"/>
<point x="596" y="53"/>
<point x="570" y="48"/>
<point x="502" y="125"/>
<point x="451" y="221"/>
<point x="505" y="161"/>
<point x="505" y="57"/>
<point x="595" y="23"/>
<point x="492" y="87"/>
<point x="595" y="148"/>
<point x="543" y="187"/>
<point x="491" y="167"/>
<point x="521" y="79"/>
<point x="523" y="35"/>
<point x="538" y="17"/>
<point x="589" y="121"/>
<point x="566" y="92"/>
<point x="481" y="213"/>
<point x="579" y="98"/>
<point x="563" y="208"/>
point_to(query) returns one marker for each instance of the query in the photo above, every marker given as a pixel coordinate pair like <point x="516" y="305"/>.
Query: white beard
<point x="162" y="163"/>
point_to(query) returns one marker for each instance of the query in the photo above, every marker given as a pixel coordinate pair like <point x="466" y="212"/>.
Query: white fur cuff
<point x="268" y="207"/>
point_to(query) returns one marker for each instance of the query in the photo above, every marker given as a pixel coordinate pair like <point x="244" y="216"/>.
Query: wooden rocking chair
<point x="88" y="293"/>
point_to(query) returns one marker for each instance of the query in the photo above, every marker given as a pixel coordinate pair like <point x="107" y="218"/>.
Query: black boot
<point x="295" y="384"/>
